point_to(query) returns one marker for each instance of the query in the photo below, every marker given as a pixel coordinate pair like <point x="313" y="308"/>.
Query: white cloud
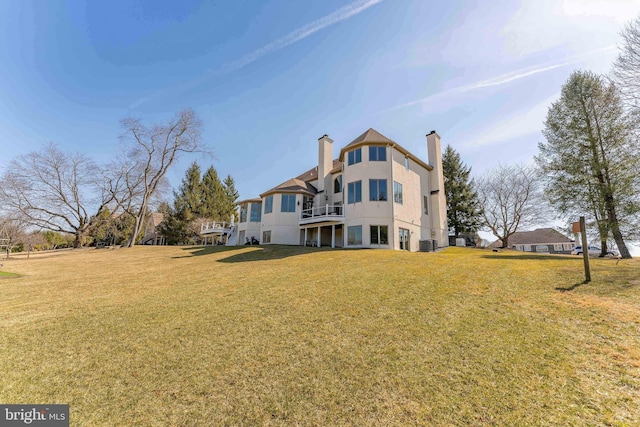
<point x="574" y="25"/>
<point x="305" y="31"/>
<point x="617" y="10"/>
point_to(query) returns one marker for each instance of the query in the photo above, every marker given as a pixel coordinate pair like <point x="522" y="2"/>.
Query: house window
<point x="268" y="204"/>
<point x="266" y="236"/>
<point x="426" y="205"/>
<point x="378" y="189"/>
<point x="557" y="247"/>
<point x="397" y="192"/>
<point x="379" y="235"/>
<point x="354" y="235"/>
<point x="406" y="163"/>
<point x="377" y="154"/>
<point x="354" y="156"/>
<point x="337" y="185"/>
<point x="527" y="248"/>
<point x="288" y="203"/>
<point x="354" y="190"/>
<point x="243" y="213"/>
<point x="256" y="212"/>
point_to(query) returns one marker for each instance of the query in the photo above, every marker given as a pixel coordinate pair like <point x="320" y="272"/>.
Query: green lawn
<point x="300" y="336"/>
<point x="5" y="274"/>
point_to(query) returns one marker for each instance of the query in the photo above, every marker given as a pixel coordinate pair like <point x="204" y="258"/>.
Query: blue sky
<point x="270" y="77"/>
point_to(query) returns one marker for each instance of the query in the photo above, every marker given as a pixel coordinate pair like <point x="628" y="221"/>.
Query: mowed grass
<point x="298" y="336"/>
<point x="5" y="274"/>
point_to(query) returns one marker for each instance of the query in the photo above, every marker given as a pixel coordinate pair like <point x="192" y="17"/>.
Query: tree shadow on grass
<point x="209" y="250"/>
<point x="572" y="287"/>
<point x="254" y="253"/>
<point x="533" y="257"/>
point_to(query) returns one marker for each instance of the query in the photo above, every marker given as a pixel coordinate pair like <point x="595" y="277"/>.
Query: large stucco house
<point x="375" y="194"/>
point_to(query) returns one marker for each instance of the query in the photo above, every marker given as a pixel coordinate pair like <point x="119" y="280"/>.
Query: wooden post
<point x="585" y="250"/>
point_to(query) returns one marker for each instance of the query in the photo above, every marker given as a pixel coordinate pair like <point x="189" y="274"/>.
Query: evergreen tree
<point x="590" y="160"/>
<point x="171" y="227"/>
<point x="213" y="196"/>
<point x="188" y="199"/>
<point x="231" y="197"/>
<point x="463" y="208"/>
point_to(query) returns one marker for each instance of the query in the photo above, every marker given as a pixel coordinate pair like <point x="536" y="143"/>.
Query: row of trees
<point x="15" y="236"/>
<point x="200" y="198"/>
<point x="588" y="166"/>
<point x="69" y="193"/>
<point x="501" y="201"/>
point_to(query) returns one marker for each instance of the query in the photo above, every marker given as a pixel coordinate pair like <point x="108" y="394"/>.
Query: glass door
<point x="403" y="238"/>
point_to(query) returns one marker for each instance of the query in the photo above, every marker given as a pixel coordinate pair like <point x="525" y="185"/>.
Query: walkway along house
<point x="376" y="194"/>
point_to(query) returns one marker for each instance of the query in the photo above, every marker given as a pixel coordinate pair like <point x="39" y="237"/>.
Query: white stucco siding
<point x="249" y="230"/>
<point x="368" y="211"/>
<point x="414" y="235"/>
<point x="366" y="224"/>
<point x="284" y="226"/>
<point x="410" y="214"/>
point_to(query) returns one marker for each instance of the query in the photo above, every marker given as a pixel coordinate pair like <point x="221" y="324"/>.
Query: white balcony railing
<point x="326" y="212"/>
<point x="215" y="227"/>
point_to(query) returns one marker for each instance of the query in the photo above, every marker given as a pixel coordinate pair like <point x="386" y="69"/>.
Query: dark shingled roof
<point x="540" y="236"/>
<point x="373" y="137"/>
<point x="254" y="200"/>
<point x="312" y="174"/>
<point x="294" y="185"/>
<point x="370" y="136"/>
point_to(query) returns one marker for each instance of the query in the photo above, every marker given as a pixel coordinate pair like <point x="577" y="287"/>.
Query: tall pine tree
<point x="213" y="196"/>
<point x="231" y="197"/>
<point x="463" y="208"/>
<point x="198" y="199"/>
<point x="188" y="198"/>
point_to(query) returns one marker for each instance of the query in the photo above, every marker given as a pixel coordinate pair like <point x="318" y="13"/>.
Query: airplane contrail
<point x="507" y="78"/>
<point x="305" y="31"/>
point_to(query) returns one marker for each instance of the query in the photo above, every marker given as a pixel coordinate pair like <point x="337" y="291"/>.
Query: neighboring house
<point x="151" y="234"/>
<point x="541" y="240"/>
<point x="376" y="194"/>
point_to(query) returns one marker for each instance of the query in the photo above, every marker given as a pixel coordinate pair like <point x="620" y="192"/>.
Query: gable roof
<point x="254" y="200"/>
<point x="370" y="136"/>
<point x="540" y="236"/>
<point x="293" y="185"/>
<point x="373" y="137"/>
<point x="300" y="184"/>
<point x="312" y="174"/>
<point x="156" y="218"/>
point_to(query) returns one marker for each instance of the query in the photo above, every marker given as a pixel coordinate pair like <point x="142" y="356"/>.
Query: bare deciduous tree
<point x="146" y="156"/>
<point x="52" y="190"/>
<point x="510" y="199"/>
<point x="11" y="231"/>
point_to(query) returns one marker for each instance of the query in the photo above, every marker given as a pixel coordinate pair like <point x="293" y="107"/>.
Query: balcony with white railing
<point x="216" y="227"/>
<point x="326" y="213"/>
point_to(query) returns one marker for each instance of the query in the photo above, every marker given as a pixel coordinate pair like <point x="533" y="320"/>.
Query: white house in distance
<point x="376" y="194"/>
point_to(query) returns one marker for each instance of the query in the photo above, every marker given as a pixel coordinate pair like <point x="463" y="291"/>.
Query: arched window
<point x="337" y="184"/>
